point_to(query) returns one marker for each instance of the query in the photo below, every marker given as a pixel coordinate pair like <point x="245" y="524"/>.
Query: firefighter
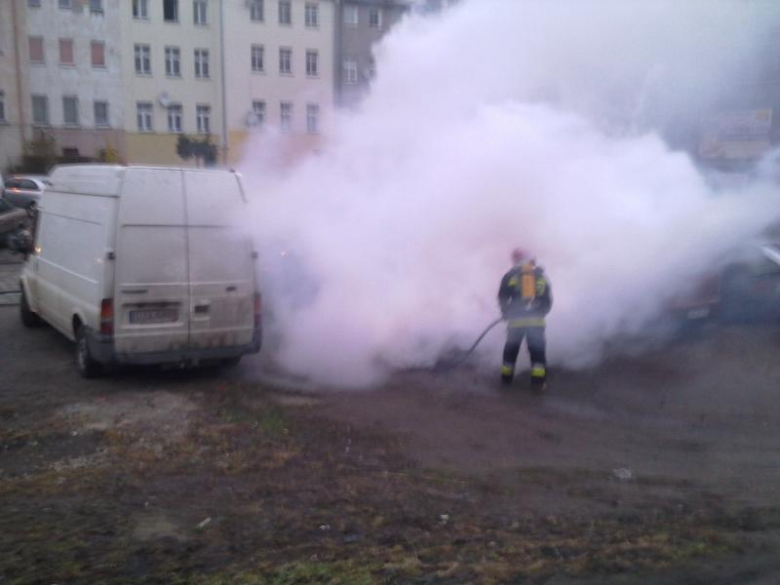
<point x="525" y="298"/>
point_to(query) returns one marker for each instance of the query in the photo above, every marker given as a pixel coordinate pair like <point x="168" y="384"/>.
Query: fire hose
<point x="462" y="358"/>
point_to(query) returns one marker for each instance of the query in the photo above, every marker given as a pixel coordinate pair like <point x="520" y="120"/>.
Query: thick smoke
<point x="504" y="123"/>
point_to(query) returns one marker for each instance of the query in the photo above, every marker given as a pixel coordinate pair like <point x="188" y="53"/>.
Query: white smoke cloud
<point x="504" y="123"/>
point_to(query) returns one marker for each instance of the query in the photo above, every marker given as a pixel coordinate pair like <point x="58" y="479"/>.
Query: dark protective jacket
<point x="525" y="296"/>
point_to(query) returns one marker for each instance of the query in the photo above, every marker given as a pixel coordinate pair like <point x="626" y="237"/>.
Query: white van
<point x="144" y="265"/>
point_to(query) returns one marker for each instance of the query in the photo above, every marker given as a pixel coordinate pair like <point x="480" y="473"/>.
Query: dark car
<point x="750" y="283"/>
<point x="11" y="219"/>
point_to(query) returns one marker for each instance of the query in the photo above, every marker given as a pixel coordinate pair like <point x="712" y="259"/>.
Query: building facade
<point x="359" y="25"/>
<point x="122" y="80"/>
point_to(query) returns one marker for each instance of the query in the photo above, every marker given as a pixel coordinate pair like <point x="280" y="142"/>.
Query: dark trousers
<point x="536" y="348"/>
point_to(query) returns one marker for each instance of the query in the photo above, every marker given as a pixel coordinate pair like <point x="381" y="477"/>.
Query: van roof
<point x="103" y="179"/>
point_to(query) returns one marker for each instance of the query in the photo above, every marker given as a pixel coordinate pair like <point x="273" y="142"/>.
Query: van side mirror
<point x="21" y="241"/>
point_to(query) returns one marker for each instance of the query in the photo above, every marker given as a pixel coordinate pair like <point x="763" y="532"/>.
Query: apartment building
<point x="171" y="75"/>
<point x="65" y="78"/>
<point x="360" y="24"/>
<point x="279" y="72"/>
<point x="129" y="77"/>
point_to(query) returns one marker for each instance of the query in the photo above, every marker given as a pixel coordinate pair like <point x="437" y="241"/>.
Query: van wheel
<point x="88" y="367"/>
<point x="29" y="319"/>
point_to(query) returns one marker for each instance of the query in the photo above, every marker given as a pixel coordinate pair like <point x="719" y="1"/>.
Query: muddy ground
<point x="658" y="468"/>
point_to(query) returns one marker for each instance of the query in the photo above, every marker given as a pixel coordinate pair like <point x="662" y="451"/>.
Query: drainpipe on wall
<point x="18" y="67"/>
<point x="222" y="81"/>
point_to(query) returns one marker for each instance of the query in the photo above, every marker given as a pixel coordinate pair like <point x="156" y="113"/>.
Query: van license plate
<point x="153" y="316"/>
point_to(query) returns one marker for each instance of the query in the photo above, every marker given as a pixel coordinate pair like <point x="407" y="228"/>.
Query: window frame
<point x="203" y="12"/>
<point x="96" y="7"/>
<point x="203" y="113"/>
<point x="144" y="111"/>
<point x="139" y="14"/>
<point x="2" y="108"/>
<point x="349" y="66"/>
<point x="107" y="123"/>
<point x="202" y="67"/>
<point x="287" y="4"/>
<point x="66" y="41"/>
<point x="312" y="15"/>
<point x="255" y="50"/>
<point x="44" y="100"/>
<point x="65" y="4"/>
<point x="175" y="115"/>
<point x="92" y="45"/>
<point x="74" y="101"/>
<point x="260" y="112"/>
<point x="173" y="61"/>
<point x="312" y="71"/>
<point x="176" y="12"/>
<point x="375" y="10"/>
<point x="257" y="10"/>
<point x="285" y="116"/>
<point x="30" y="40"/>
<point x="313" y="118"/>
<point x="142" y="54"/>
<point x="348" y="10"/>
<point x="285" y="51"/>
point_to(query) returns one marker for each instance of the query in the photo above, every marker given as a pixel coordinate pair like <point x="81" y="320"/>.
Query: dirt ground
<point x="657" y="468"/>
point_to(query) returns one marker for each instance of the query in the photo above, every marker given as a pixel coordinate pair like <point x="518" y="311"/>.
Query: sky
<point x="496" y="124"/>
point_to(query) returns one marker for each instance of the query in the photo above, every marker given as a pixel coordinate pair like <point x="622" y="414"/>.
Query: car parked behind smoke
<point x="750" y="283"/>
<point x="24" y="190"/>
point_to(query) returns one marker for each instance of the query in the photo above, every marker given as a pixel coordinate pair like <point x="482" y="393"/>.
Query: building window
<point x="285" y="119"/>
<point x="70" y="111"/>
<point x="312" y="119"/>
<point x="200" y="12"/>
<point x="98" y="50"/>
<point x="171" y="10"/>
<point x="174" y="118"/>
<point x="36" y="50"/>
<point x="40" y="105"/>
<point x="351" y="15"/>
<point x="2" y="106"/>
<point x="312" y="15"/>
<point x="141" y="9"/>
<point x="96" y="6"/>
<point x="311" y="63"/>
<point x="257" y="10"/>
<point x="66" y="51"/>
<point x="258" y="109"/>
<point x="203" y="114"/>
<point x="144" y="116"/>
<point x="201" y="63"/>
<point x="173" y="61"/>
<point x="350" y="71"/>
<point x="65" y="4"/>
<point x="34" y="3"/>
<point x="143" y="60"/>
<point x="285" y="12"/>
<point x="101" y="114"/>
<point x="285" y="61"/>
<point x="258" y="54"/>
<point x="375" y="18"/>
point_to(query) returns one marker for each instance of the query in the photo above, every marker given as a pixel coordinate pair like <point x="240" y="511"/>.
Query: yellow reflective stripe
<point x="541" y="284"/>
<point x="507" y="370"/>
<point x="538" y="372"/>
<point x="530" y="322"/>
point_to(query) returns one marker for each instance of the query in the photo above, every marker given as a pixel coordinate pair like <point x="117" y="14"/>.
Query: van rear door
<point x="152" y="297"/>
<point x="221" y="267"/>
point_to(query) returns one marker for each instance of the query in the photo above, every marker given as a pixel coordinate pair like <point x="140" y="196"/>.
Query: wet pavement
<point x="10" y="268"/>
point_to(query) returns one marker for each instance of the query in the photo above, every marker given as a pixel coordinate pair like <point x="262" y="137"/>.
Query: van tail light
<point x="107" y="317"/>
<point x="258" y="310"/>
